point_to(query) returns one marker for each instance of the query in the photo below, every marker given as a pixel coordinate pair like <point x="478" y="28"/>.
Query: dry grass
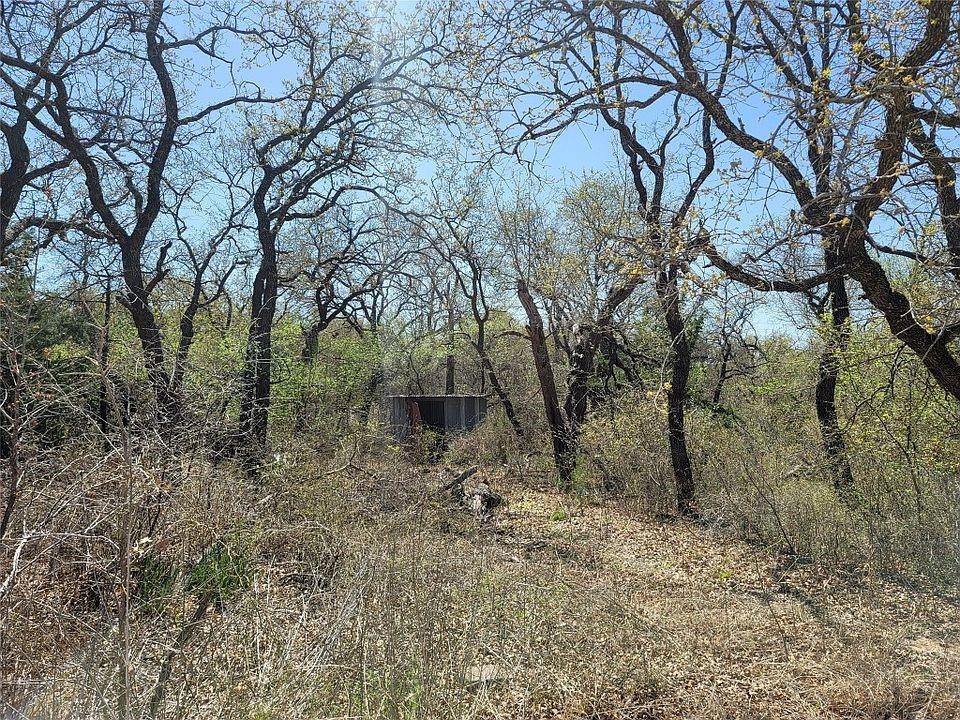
<point x="735" y="633"/>
<point x="371" y="596"/>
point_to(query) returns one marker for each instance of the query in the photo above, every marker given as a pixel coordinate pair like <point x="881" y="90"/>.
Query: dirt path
<point x="736" y="631"/>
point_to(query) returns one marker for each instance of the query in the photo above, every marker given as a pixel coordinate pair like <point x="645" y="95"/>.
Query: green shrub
<point x="224" y="571"/>
<point x="156" y="584"/>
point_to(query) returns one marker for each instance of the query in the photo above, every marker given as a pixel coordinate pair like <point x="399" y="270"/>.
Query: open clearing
<point x="729" y="630"/>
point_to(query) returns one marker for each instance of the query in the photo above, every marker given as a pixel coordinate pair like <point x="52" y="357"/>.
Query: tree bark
<point x="486" y="363"/>
<point x="311" y="343"/>
<point x="725" y="356"/>
<point x="564" y="451"/>
<point x="933" y="348"/>
<point x="13" y="179"/>
<point x="136" y="300"/>
<point x="837" y="340"/>
<point x="582" y="367"/>
<point x="255" y="405"/>
<point x="680" y="356"/>
<point x="370" y="392"/>
<point x="10" y="427"/>
<point x="450" y="384"/>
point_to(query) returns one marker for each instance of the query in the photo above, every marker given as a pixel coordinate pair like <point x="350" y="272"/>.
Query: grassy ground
<point x="372" y="595"/>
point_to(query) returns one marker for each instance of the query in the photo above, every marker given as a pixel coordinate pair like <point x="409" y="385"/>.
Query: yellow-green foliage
<point x="337" y="379"/>
<point x="760" y="468"/>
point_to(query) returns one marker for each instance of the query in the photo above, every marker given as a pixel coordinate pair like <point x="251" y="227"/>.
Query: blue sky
<point x="580" y="148"/>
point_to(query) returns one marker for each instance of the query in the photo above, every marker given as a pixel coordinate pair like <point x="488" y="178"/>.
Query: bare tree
<point x="108" y="83"/>
<point x="536" y="257"/>
<point x="352" y="115"/>
<point x="737" y="350"/>
<point x="854" y="100"/>
<point x="579" y="72"/>
<point x="342" y="265"/>
<point x="463" y="241"/>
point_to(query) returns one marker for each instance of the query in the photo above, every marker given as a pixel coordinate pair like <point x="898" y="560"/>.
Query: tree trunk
<point x="13" y="179"/>
<point x="311" y="343"/>
<point x="722" y="373"/>
<point x="564" y="449"/>
<point x="488" y="370"/>
<point x="188" y="333"/>
<point x="136" y="300"/>
<point x="837" y="340"/>
<point x="450" y="386"/>
<point x="582" y="366"/>
<point x="255" y="405"/>
<point x="933" y="348"/>
<point x="369" y="395"/>
<point x="681" y="360"/>
<point x="583" y="353"/>
<point x="10" y="428"/>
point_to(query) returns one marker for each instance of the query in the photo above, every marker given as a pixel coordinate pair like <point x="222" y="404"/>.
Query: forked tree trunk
<point x="564" y="448"/>
<point x="584" y="347"/>
<point x="169" y="403"/>
<point x="582" y="369"/>
<point x="727" y="352"/>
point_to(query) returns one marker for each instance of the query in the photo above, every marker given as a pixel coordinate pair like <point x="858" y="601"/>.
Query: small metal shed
<point x="442" y="414"/>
